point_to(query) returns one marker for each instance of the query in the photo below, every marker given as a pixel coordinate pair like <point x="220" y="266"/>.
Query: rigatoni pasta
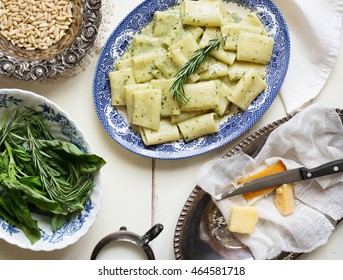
<point x="129" y="93"/>
<point x="254" y="47"/>
<point x="118" y="80"/>
<point x="237" y="70"/>
<point x="247" y="89"/>
<point x="169" y="106"/>
<point x="167" y="132"/>
<point x="202" y="13"/>
<point x="143" y="66"/>
<point x="164" y="21"/>
<point x="147" y="108"/>
<point x="232" y="31"/>
<point x="199" y="126"/>
<point x="201" y="96"/>
<point x="233" y="73"/>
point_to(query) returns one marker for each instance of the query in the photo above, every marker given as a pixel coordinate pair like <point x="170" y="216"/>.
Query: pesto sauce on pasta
<point x="233" y="74"/>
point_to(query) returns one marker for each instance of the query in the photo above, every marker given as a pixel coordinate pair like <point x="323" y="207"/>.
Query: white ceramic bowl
<point x="63" y="128"/>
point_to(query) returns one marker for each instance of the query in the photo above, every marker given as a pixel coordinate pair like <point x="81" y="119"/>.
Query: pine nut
<point x="35" y="24"/>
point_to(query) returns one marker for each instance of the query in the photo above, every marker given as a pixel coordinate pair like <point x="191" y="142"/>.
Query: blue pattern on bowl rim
<point x="115" y="124"/>
<point x="64" y="128"/>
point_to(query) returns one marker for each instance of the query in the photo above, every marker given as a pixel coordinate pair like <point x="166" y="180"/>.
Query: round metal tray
<point x="201" y="231"/>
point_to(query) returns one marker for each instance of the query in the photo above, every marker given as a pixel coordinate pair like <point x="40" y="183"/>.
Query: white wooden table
<point x="138" y="192"/>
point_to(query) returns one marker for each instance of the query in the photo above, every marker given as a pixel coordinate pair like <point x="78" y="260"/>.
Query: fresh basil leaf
<point x="40" y="201"/>
<point x="57" y="221"/>
<point x="21" y="211"/>
<point x="5" y="212"/>
<point x="88" y="163"/>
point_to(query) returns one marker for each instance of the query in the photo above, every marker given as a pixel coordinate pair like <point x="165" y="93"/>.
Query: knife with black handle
<point x="278" y="179"/>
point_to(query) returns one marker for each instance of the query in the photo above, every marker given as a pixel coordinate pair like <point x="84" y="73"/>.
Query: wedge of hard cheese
<point x="272" y="169"/>
<point x="284" y="199"/>
<point x="243" y="219"/>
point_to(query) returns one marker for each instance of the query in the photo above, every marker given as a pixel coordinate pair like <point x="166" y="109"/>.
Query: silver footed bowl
<point x="17" y="62"/>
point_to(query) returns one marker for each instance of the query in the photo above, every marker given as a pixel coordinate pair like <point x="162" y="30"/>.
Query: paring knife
<point x="278" y="179"/>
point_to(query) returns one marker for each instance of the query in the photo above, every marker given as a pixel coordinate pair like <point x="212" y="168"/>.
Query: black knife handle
<point x="331" y="167"/>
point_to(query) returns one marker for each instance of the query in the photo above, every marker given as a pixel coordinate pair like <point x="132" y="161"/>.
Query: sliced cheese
<point x="243" y="219"/>
<point x="284" y="199"/>
<point x="272" y="169"/>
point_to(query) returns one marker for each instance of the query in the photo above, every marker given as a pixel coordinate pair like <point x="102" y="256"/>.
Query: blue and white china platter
<point x="63" y="128"/>
<point x="113" y="120"/>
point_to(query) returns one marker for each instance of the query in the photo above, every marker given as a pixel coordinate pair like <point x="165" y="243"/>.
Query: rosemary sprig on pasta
<point x="191" y="67"/>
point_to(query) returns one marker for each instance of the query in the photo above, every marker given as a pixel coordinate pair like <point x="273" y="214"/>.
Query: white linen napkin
<point x="314" y="28"/>
<point x="311" y="138"/>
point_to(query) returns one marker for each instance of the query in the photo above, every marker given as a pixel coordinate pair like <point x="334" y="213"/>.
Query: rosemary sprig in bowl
<point x="41" y="174"/>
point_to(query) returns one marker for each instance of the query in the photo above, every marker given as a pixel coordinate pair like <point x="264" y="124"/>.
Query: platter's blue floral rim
<point x="64" y="128"/>
<point x="114" y="121"/>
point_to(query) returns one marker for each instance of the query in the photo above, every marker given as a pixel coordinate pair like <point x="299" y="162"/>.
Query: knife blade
<point x="278" y="179"/>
